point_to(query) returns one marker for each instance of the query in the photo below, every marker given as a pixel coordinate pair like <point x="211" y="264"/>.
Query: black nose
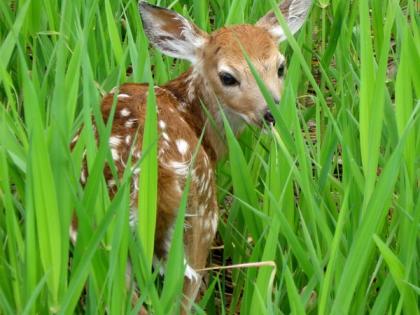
<point x="269" y="118"/>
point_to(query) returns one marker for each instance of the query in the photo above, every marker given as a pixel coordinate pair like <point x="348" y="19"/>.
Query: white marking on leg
<point x="214" y="221"/>
<point x="132" y="217"/>
<point x="190" y="273"/>
<point x="201" y="210"/>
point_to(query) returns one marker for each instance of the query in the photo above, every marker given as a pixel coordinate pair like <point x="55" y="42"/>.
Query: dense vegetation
<point x="327" y="205"/>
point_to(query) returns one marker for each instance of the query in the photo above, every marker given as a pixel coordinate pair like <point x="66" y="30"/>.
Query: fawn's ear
<point x="294" y="12"/>
<point x="170" y="32"/>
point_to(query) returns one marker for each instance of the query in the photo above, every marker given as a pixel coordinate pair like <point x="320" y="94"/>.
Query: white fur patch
<point x="73" y="234"/>
<point x="83" y="176"/>
<point x="114" y="141"/>
<point x="123" y="96"/>
<point x="165" y="136"/>
<point x="130" y="123"/>
<point x="115" y="155"/>
<point x="180" y="168"/>
<point x="162" y="124"/>
<point x="135" y="170"/>
<point x="74" y="140"/>
<point x="182" y="146"/>
<point x="135" y="181"/>
<point x="125" y="112"/>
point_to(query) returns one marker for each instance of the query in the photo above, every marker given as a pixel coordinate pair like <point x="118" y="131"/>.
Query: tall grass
<point x="331" y="196"/>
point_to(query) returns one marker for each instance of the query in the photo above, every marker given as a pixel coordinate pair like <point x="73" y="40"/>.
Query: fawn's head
<point x="218" y="59"/>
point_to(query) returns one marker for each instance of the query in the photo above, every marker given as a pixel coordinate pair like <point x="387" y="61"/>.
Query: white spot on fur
<point x="125" y="112"/>
<point x="137" y="154"/>
<point x="128" y="139"/>
<point x="135" y="170"/>
<point x="73" y="234"/>
<point x="162" y="124"/>
<point x="123" y="96"/>
<point x="182" y="146"/>
<point x="135" y="181"/>
<point x="114" y="141"/>
<point x="130" y="123"/>
<point x="74" y="140"/>
<point x="111" y="183"/>
<point x="165" y="136"/>
<point x="115" y="155"/>
<point x="83" y="176"/>
<point x="180" y="168"/>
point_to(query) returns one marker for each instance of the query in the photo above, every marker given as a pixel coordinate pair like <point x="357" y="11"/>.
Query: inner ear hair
<point x="170" y="32"/>
<point x="294" y="12"/>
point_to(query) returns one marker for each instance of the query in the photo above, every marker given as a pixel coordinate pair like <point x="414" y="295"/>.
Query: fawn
<point x="219" y="79"/>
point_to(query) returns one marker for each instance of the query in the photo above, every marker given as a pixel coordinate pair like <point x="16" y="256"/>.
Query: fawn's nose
<point x="269" y="118"/>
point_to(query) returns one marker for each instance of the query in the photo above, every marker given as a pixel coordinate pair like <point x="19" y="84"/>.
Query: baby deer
<point x="219" y="79"/>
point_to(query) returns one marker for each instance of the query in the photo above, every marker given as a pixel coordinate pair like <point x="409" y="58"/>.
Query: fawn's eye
<point x="280" y="71"/>
<point x="228" y="79"/>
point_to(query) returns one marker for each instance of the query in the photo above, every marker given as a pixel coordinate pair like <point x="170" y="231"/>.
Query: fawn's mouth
<point x="269" y="118"/>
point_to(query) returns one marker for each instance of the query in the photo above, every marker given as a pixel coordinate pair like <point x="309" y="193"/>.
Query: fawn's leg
<point x="198" y="239"/>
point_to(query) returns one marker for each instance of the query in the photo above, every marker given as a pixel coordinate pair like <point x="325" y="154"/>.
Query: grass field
<point x="327" y="205"/>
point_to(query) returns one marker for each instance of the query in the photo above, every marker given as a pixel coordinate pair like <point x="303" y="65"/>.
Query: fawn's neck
<point x="190" y="90"/>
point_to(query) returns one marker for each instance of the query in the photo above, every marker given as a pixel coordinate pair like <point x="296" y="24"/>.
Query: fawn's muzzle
<point x="269" y="118"/>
